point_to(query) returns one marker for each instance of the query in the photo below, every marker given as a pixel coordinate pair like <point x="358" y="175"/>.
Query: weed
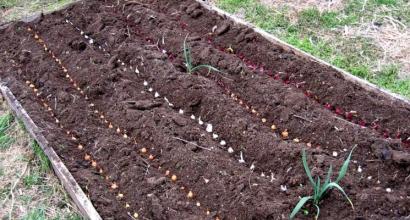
<point x="386" y="2"/>
<point x="4" y="191"/>
<point x="45" y="164"/>
<point x="72" y="216"/>
<point x="188" y="61"/>
<point x="38" y="213"/>
<point x="388" y="78"/>
<point x="312" y="17"/>
<point x="8" y="3"/>
<point x="320" y="190"/>
<point x="6" y="140"/>
<point x="32" y="179"/>
<point x="2" y="172"/>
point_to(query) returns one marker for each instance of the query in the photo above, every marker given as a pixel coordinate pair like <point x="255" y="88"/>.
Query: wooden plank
<point x="358" y="81"/>
<point x="67" y="180"/>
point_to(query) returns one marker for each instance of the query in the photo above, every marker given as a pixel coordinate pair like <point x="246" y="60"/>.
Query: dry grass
<point x="392" y="37"/>
<point x="17" y="9"/>
<point x="380" y="25"/>
<point x="28" y="187"/>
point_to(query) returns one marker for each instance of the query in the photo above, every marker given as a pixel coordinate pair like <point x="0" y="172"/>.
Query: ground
<point x="331" y="30"/>
<point x="369" y="39"/>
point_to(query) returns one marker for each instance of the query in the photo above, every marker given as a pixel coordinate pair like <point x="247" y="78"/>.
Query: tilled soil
<point x="160" y="143"/>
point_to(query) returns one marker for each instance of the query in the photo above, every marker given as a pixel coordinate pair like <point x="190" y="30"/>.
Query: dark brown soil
<point x="238" y="175"/>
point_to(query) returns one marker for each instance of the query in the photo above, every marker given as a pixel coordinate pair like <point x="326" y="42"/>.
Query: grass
<point x="36" y="214"/>
<point x="25" y="170"/>
<point x="357" y="55"/>
<point x="16" y="9"/>
<point x="44" y="162"/>
<point x="6" y="140"/>
<point x="321" y="189"/>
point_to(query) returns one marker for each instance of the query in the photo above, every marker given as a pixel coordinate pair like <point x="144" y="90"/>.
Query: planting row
<point x="201" y="180"/>
<point x="319" y="83"/>
<point x="300" y="120"/>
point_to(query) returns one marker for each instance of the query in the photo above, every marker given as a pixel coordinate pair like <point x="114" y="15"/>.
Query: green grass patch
<point x="388" y="78"/>
<point x="313" y="18"/>
<point x="1" y="171"/>
<point x="386" y="2"/>
<point x="6" y="140"/>
<point x="366" y="10"/>
<point x="8" y="3"/>
<point x="38" y="213"/>
<point x="32" y="179"/>
<point x="44" y="162"/>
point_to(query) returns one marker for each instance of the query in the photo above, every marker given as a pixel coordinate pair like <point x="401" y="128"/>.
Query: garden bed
<point x="107" y="84"/>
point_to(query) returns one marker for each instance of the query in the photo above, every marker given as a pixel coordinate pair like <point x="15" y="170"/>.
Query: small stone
<point x="283" y="188"/>
<point x="223" y="143"/>
<point x="214" y="136"/>
<point x="181" y="111"/>
<point x="388" y="190"/>
<point x="334" y="153"/>
<point x="145" y="83"/>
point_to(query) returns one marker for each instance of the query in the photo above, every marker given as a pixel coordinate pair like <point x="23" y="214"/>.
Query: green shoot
<point x="188" y="61"/>
<point x="319" y="191"/>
